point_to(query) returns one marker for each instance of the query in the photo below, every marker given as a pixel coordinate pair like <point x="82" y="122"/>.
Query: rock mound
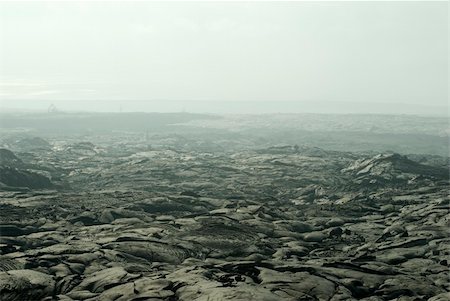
<point x="7" y="157"/>
<point x="393" y="167"/>
<point x="14" y="177"/>
<point x="33" y="144"/>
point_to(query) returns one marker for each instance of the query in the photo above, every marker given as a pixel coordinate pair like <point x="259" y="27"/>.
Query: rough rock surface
<point x="278" y="223"/>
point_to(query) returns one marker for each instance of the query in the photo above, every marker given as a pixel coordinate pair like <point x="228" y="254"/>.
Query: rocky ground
<point x="127" y="221"/>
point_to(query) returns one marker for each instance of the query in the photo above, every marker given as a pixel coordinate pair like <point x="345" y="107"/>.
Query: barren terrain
<point x="198" y="209"/>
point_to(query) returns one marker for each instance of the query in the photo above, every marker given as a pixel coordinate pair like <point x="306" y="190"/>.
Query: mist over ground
<point x="407" y="134"/>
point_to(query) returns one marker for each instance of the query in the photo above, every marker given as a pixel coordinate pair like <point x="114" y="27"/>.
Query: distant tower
<point x="52" y="109"/>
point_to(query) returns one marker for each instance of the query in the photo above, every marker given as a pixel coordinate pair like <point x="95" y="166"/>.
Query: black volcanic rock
<point x="383" y="164"/>
<point x="7" y="157"/>
<point x="392" y="169"/>
<point x="33" y="144"/>
<point x="286" y="223"/>
<point x="15" y="173"/>
<point x="25" y="285"/>
<point x="14" y="177"/>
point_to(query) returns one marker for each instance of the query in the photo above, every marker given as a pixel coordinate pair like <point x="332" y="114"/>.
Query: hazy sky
<point x="215" y="51"/>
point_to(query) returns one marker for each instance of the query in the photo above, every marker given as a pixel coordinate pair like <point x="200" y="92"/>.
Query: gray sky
<point x="139" y="53"/>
